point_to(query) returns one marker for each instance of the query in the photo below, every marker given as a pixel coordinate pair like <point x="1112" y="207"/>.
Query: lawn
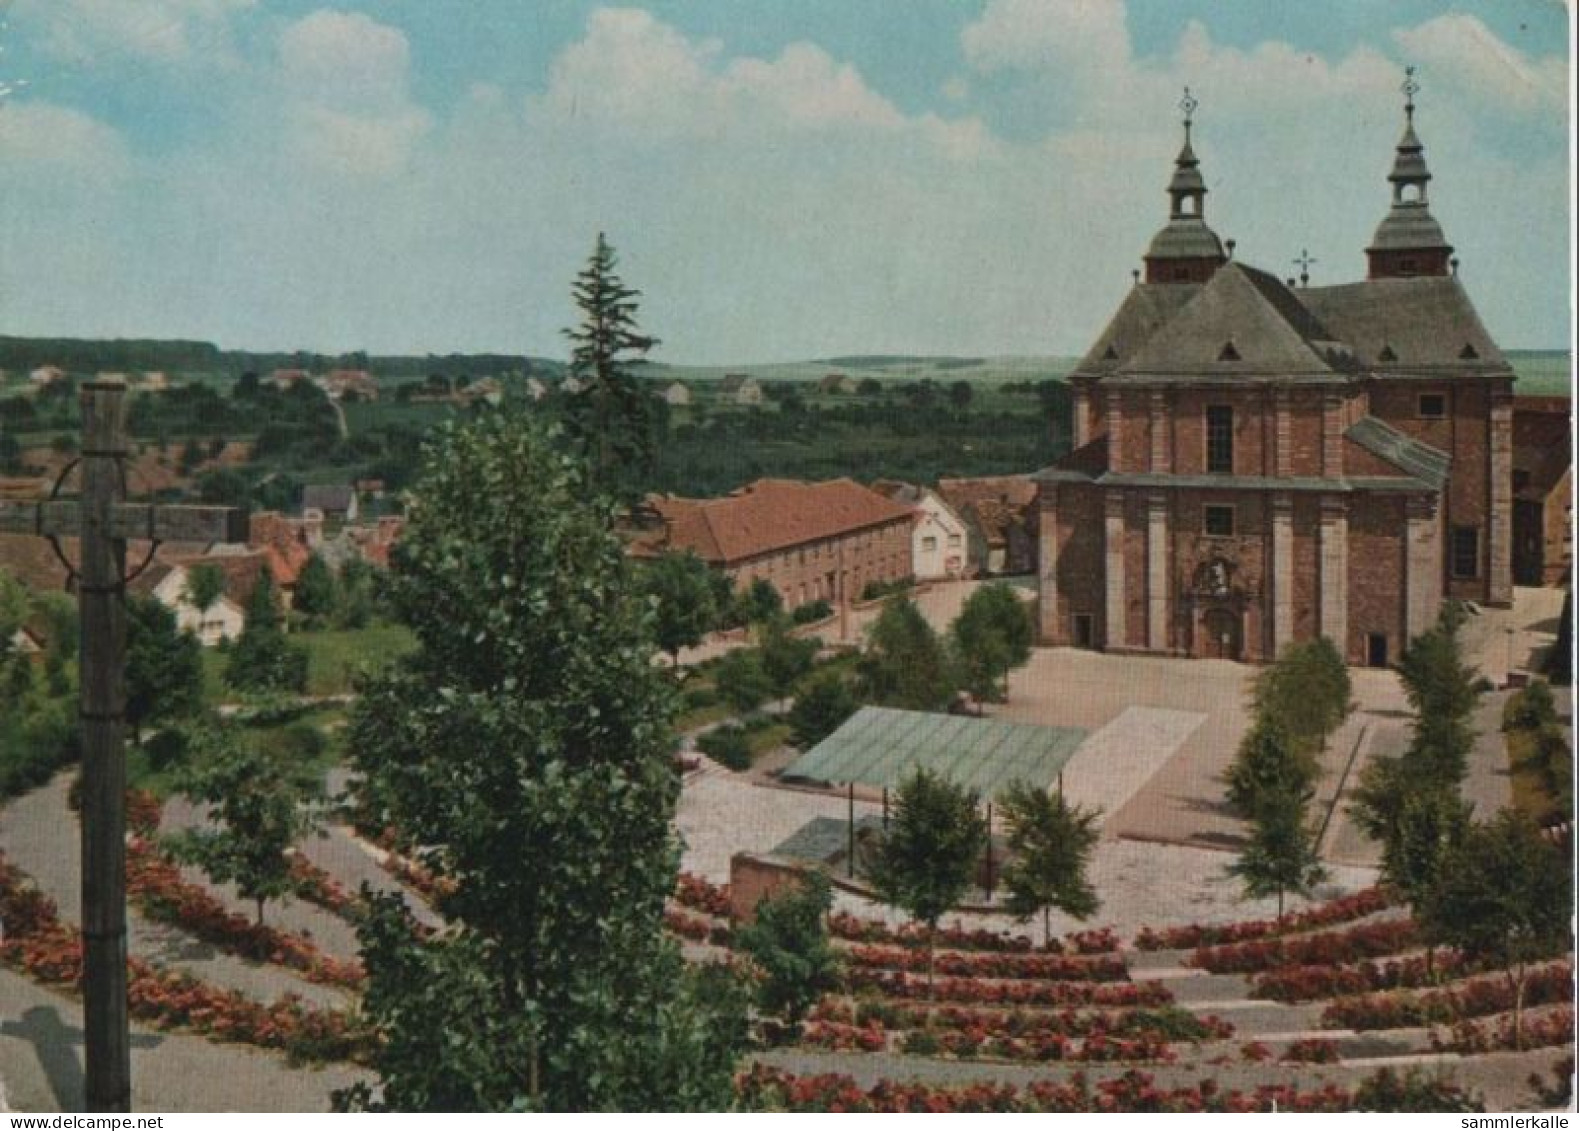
<point x="334" y="657"/>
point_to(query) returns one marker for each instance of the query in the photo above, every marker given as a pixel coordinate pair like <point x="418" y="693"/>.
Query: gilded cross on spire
<point x="1188" y="104"/>
<point x="1410" y="89"/>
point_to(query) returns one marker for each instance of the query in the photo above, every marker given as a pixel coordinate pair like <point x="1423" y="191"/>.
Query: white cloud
<point x="1463" y="50"/>
<point x="39" y="139"/>
<point x="1086" y="35"/>
<point x="88" y="31"/>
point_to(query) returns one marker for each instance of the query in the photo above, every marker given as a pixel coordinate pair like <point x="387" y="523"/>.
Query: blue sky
<point x="783" y="179"/>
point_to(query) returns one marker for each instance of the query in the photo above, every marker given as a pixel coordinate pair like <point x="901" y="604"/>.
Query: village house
<point x="939" y="539"/>
<point x="168" y="580"/>
<point x="46" y="375"/>
<point x="740" y="389"/>
<point x="286" y="379"/>
<point x="676" y="393"/>
<point x="350" y="384"/>
<point x="488" y="390"/>
<point x="1260" y="462"/>
<point x="333" y="502"/>
<point x="535" y="389"/>
<point x="1543" y="490"/>
<point x="811" y="541"/>
<point x="1000" y="516"/>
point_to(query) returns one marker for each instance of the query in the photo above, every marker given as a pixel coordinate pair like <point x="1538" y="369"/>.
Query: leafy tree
<point x="960" y="394"/>
<point x="613" y="419"/>
<point x="263" y="660"/>
<point x="10" y="453"/>
<point x="1281" y="854"/>
<point x="1266" y="763"/>
<point x="758" y="602"/>
<point x="358" y="588"/>
<point x="164" y="666"/>
<point x="529" y="724"/>
<point x="1442" y="691"/>
<point x="820" y="709"/>
<point x="905" y="664"/>
<point x="741" y="681"/>
<point x="205" y="585"/>
<point x="1503" y="896"/>
<point x="259" y="807"/>
<point x="224" y="487"/>
<point x="315" y="590"/>
<point x="924" y="862"/>
<point x="992" y="635"/>
<point x="785" y="657"/>
<point x="1531" y="708"/>
<point x="1050" y="843"/>
<point x="681" y="585"/>
<point x="1307" y="693"/>
<point x="787" y="941"/>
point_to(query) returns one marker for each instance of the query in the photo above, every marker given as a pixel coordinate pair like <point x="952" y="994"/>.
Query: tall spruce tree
<point x="523" y="752"/>
<point x="612" y="418"/>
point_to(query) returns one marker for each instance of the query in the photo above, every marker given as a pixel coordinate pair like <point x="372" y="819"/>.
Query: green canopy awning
<point x="882" y="746"/>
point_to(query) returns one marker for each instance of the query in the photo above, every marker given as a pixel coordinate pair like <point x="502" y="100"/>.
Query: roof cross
<point x="1303" y="262"/>
<point x="1189" y="104"/>
<point x="1410" y="88"/>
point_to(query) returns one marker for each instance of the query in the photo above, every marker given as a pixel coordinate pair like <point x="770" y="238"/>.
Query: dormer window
<point x="1228" y="352"/>
<point x="1387" y="353"/>
<point x="1110" y="354"/>
<point x="1468" y="353"/>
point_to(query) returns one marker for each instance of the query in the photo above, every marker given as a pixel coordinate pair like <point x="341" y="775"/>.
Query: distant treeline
<point x="83" y="355"/>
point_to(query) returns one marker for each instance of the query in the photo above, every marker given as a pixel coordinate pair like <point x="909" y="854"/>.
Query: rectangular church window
<point x="1220" y="439"/>
<point x="1433" y="406"/>
<point x="1219" y="520"/>
<point x="1466" y="552"/>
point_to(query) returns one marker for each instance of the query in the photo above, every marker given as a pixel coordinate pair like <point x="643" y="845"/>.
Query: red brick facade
<point x="1259" y="463"/>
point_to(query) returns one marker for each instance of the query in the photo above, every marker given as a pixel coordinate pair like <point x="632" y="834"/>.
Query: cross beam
<point x="104" y="522"/>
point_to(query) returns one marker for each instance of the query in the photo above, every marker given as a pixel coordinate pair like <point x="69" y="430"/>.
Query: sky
<point x="783" y="179"/>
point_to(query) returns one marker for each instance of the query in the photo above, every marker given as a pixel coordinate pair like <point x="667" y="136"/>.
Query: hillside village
<point x="1181" y="727"/>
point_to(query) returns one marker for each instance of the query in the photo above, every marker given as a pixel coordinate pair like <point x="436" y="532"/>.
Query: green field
<point x="1541" y="373"/>
<point x="333" y="658"/>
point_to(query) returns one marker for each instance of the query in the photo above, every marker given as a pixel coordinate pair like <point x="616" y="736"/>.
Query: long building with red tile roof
<point x="812" y="541"/>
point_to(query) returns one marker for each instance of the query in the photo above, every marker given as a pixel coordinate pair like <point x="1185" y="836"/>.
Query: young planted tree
<point x="263" y="660"/>
<point x="741" y="680"/>
<point x="905" y="664"/>
<point x="1050" y="847"/>
<point x="529" y="725"/>
<point x="1307" y="693"/>
<point x="1442" y="691"/>
<point x="820" y="709"/>
<point x="681" y="586"/>
<point x="1281" y="854"/>
<point x="259" y="807"/>
<point x="786" y="658"/>
<point x="1505" y="896"/>
<point x="991" y="636"/>
<point x="1267" y="764"/>
<point x="787" y="942"/>
<point x="315" y="597"/>
<point x="614" y="420"/>
<point x="926" y="859"/>
<point x="164" y="667"/>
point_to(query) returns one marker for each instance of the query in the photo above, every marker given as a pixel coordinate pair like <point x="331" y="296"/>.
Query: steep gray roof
<point x="1424" y="322"/>
<point x="1242" y="322"/>
<point x="1419" y="460"/>
<point x="1143" y="312"/>
<point x="328" y="496"/>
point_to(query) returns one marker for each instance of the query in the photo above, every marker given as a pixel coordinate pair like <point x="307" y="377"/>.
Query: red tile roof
<point x="769" y="515"/>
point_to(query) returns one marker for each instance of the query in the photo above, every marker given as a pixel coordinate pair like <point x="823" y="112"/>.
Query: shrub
<point x="1414" y="1090"/>
<point x="727" y="745"/>
<point x="811" y="612"/>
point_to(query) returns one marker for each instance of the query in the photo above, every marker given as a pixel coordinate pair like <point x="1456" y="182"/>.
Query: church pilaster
<point x="1282" y="571"/>
<point x="1422" y="565"/>
<point x="1334" y="573"/>
<point x="1499" y="527"/>
<point x="1157" y="572"/>
<point x="1116" y="635"/>
<point x="1047" y="565"/>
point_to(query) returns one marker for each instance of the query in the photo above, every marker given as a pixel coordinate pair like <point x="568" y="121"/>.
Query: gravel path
<point x="40" y="835"/>
<point x="41" y="1064"/>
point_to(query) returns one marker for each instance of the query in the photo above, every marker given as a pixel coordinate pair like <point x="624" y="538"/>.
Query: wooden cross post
<point x="104" y="521"/>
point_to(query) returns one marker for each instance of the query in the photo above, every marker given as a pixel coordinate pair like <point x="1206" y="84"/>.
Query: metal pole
<point x="989" y="851"/>
<point x="103" y="711"/>
<point x="885" y="808"/>
<point x="850" y="863"/>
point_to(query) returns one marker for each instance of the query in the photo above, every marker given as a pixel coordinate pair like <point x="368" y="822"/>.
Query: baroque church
<point x="1258" y="461"/>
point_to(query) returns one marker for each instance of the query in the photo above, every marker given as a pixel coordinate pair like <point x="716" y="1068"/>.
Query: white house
<point x="939" y="538"/>
<point x="676" y="393"/>
<point x="223" y="620"/>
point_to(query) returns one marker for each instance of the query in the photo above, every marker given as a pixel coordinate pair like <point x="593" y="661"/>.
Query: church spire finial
<point x="1189" y="104"/>
<point x="1410" y="88"/>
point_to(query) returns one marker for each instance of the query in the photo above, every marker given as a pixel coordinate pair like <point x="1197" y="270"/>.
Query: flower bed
<point x="1045" y="967"/>
<point x="700" y="895"/>
<point x="1312" y="1050"/>
<point x="39" y="945"/>
<point x="1479" y="997"/>
<point x="764" y="1088"/>
<point x="1166" y="1023"/>
<point x="311" y="883"/>
<point x="1310" y="983"/>
<point x="154" y="884"/>
<point x="1345" y="910"/>
<point x="973" y="991"/>
<point x="1368" y="940"/>
<point x="419" y="879"/>
<point x="1544" y="1031"/>
<point x="851" y="928"/>
<point x="694" y="927"/>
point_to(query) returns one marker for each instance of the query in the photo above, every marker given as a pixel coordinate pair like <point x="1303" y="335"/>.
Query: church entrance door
<point x="1223" y="632"/>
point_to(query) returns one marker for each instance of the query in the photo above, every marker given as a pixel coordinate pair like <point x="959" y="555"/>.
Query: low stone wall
<point x="753" y="878"/>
